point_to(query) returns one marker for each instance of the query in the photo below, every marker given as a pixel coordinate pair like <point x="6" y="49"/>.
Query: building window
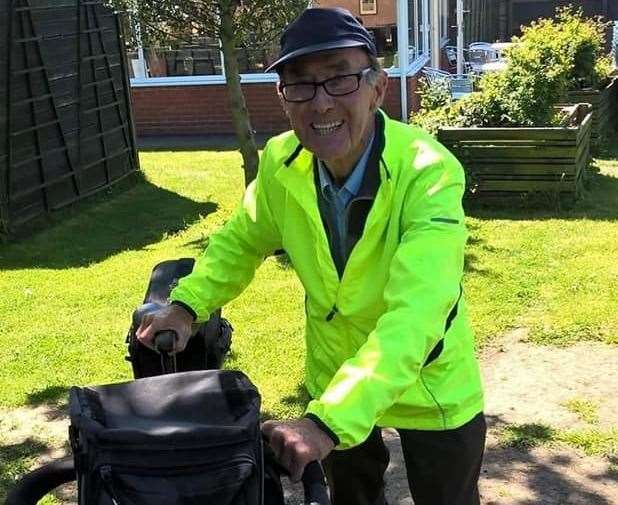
<point x="444" y="17"/>
<point x="368" y="6"/>
<point x="418" y="28"/>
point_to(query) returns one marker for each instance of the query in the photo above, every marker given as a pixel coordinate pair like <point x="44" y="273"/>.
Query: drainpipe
<point x="460" y="37"/>
<point x="436" y="50"/>
<point x="402" y="49"/>
<point x="139" y="71"/>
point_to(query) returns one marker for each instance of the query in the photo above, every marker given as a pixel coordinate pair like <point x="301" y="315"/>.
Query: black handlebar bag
<point x="190" y="438"/>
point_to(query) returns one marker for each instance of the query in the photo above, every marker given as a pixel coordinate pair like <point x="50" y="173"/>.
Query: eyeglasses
<point x="335" y="86"/>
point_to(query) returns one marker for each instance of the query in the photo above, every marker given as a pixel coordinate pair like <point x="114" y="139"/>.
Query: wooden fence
<point x="65" y="127"/>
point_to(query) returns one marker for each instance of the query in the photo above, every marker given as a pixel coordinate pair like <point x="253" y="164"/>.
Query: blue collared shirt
<point x="338" y="199"/>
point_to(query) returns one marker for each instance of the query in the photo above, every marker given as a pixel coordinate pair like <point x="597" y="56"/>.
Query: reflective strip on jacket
<point x="389" y="343"/>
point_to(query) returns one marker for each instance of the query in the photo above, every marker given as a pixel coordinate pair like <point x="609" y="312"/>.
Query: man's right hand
<point x="171" y="317"/>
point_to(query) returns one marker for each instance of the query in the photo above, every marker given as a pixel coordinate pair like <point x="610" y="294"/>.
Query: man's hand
<point x="297" y="443"/>
<point x="170" y="317"/>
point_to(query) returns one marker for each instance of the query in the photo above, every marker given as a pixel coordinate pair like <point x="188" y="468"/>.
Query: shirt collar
<point x="354" y="180"/>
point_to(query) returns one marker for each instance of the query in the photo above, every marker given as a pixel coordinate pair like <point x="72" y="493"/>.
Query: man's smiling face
<point x="335" y="128"/>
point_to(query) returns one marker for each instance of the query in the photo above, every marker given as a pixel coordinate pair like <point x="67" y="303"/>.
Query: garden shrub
<point x="433" y="95"/>
<point x="579" y="41"/>
<point x="552" y="56"/>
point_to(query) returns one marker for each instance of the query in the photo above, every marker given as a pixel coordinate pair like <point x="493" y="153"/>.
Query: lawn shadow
<point x="199" y="244"/>
<point x="35" y="440"/>
<point x="51" y="394"/>
<point x="296" y="401"/>
<point x="89" y="232"/>
<point x="548" y="479"/>
<point x="16" y="459"/>
<point x="471" y="262"/>
<point x="188" y="143"/>
<point x="283" y="260"/>
<point x="598" y="201"/>
<point x="300" y="397"/>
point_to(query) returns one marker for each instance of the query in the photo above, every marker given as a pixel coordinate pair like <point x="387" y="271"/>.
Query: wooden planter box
<point x="604" y="107"/>
<point x="502" y="161"/>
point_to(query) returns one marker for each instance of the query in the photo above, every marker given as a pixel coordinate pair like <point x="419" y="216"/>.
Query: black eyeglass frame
<point x="359" y="76"/>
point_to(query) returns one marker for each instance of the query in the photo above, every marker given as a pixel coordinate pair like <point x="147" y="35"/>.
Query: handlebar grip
<point x="314" y="485"/>
<point x="165" y="341"/>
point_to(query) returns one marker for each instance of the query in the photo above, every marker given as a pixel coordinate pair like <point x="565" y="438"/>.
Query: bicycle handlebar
<point x="165" y="341"/>
<point x="32" y="487"/>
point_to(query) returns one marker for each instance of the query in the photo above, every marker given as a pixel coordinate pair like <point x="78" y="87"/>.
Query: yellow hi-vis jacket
<point x="389" y="343"/>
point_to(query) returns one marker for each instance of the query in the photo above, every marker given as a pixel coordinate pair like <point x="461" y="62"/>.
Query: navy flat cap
<point x="320" y="29"/>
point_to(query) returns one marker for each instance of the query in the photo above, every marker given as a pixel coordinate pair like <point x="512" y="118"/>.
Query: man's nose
<point x="322" y="101"/>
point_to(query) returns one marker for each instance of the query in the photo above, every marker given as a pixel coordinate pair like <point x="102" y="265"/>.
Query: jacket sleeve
<point x="422" y="288"/>
<point x="233" y="253"/>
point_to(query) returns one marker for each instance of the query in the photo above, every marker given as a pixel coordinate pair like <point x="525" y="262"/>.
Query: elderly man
<point x="369" y="211"/>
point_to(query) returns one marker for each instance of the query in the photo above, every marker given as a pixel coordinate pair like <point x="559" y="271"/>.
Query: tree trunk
<point x="238" y="106"/>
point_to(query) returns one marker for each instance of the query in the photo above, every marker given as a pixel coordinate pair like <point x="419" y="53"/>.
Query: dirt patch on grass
<point x="525" y="384"/>
<point x="44" y="426"/>
<point x="546" y="476"/>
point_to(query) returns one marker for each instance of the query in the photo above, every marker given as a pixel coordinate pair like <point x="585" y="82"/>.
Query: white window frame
<point x="426" y="27"/>
<point x="368" y="11"/>
<point x="444" y="16"/>
<point x="412" y="66"/>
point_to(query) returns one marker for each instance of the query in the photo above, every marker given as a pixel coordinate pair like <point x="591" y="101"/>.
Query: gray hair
<point x="376" y="68"/>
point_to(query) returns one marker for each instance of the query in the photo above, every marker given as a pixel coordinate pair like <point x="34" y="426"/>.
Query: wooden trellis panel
<point x="66" y="129"/>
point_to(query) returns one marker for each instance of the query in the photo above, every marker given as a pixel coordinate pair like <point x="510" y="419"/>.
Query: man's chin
<point x="327" y="149"/>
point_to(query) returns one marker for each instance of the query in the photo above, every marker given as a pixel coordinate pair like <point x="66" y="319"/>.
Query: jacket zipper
<point x="335" y="309"/>
<point x="106" y="470"/>
<point x="211" y="445"/>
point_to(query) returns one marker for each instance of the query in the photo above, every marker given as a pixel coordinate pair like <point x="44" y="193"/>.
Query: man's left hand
<point x="297" y="443"/>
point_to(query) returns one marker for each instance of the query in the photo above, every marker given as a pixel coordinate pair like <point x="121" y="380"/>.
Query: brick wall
<point x="414" y="102"/>
<point x="386" y="14"/>
<point x="193" y="110"/>
<point x="199" y="110"/>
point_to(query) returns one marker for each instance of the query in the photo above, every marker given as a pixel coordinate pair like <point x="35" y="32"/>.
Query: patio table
<point x="500" y="47"/>
<point x="491" y="66"/>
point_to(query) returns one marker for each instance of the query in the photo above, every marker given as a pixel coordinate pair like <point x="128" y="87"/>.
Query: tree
<point x="236" y="23"/>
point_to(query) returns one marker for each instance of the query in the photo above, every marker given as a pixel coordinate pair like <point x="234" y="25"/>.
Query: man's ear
<point x="281" y="99"/>
<point x="380" y="87"/>
<point x="278" y="88"/>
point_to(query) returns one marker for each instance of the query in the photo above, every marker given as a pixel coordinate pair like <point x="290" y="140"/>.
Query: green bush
<point x="435" y="100"/>
<point x="551" y="57"/>
<point x="433" y="95"/>
<point x="578" y="41"/>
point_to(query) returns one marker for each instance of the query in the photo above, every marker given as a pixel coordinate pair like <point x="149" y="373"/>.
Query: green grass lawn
<point x="67" y="292"/>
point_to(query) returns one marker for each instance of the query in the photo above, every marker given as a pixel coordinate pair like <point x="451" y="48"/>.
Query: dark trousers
<point x="442" y="467"/>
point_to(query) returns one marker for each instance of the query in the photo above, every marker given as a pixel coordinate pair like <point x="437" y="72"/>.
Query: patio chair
<point x="462" y="85"/>
<point x="458" y="85"/>
<point x="451" y="55"/>
<point x="433" y="75"/>
<point x="451" y="58"/>
<point x="480" y="55"/>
